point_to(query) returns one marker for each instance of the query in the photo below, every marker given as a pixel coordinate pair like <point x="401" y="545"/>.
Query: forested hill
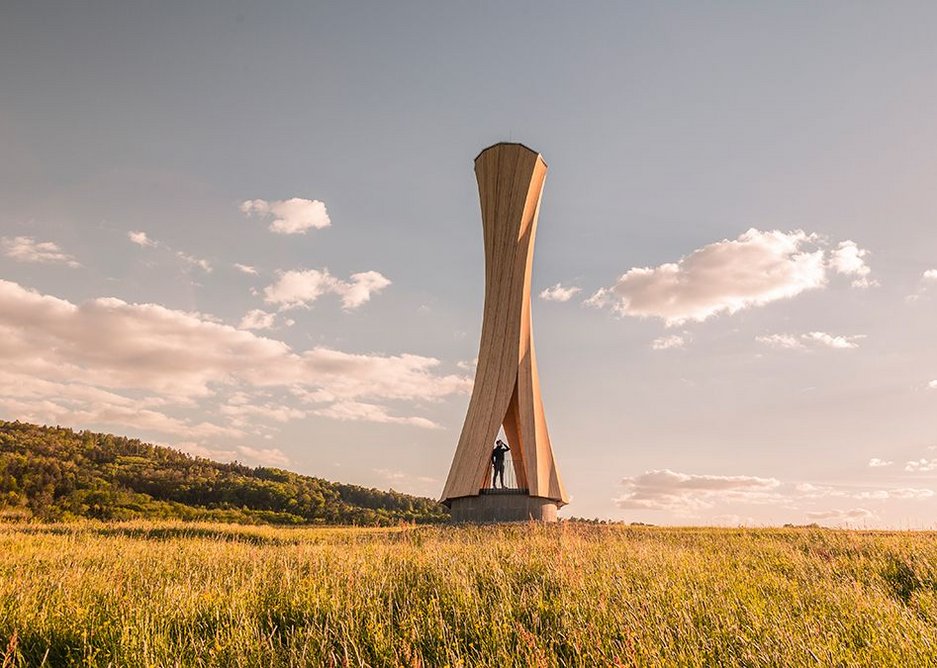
<point x="52" y="473"/>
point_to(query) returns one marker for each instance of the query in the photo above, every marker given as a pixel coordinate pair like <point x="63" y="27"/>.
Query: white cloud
<point x="810" y="491"/>
<point x="910" y="493"/>
<point x="30" y="398"/>
<point x="468" y="365"/>
<point x="831" y="341"/>
<point x="685" y="492"/>
<point x="727" y="276"/>
<point x="294" y="289"/>
<point x="875" y="463"/>
<point x="847" y="258"/>
<point x="932" y="385"/>
<point x="257" y="319"/>
<point x="27" y="249"/>
<point x="810" y="339"/>
<point x="921" y="465"/>
<point x="261" y="456"/>
<point x="850" y="516"/>
<point x="363" y="412"/>
<point x="199" y="450"/>
<point x="266" y="456"/>
<point x="782" y="341"/>
<point x="141" y="239"/>
<point x="883" y="494"/>
<point x="418" y="484"/>
<point x="732" y="520"/>
<point x="193" y="261"/>
<point x="342" y="375"/>
<point x="668" y="342"/>
<point x="558" y="293"/>
<point x="928" y="278"/>
<point x="179" y="357"/>
<point x="291" y="216"/>
<point x="240" y="412"/>
<point x="148" y="346"/>
<point x="245" y="269"/>
<point x="873" y="494"/>
<point x="357" y="291"/>
<point x="391" y="475"/>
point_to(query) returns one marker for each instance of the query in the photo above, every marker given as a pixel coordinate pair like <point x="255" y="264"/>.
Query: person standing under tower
<point x="497" y="461"/>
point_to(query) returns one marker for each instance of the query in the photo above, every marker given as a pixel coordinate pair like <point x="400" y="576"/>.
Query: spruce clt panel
<point x="507" y="385"/>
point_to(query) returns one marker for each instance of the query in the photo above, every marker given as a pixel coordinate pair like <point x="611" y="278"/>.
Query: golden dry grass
<point x="172" y="594"/>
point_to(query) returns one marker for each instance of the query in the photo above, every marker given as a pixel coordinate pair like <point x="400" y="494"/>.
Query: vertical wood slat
<point x="507" y="386"/>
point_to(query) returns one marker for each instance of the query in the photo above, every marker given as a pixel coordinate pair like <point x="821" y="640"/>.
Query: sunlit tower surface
<point x="507" y="386"/>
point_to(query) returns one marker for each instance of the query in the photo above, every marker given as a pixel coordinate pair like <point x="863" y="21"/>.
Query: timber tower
<point x="507" y="386"/>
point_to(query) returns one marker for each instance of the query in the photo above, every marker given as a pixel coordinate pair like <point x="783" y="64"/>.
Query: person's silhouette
<point x="497" y="461"/>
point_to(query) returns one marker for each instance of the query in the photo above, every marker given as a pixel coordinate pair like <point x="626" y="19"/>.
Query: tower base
<point x="501" y="506"/>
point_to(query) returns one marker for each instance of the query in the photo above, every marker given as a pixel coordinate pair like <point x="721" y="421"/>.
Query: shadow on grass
<point x="55" y="648"/>
<point x="903" y="579"/>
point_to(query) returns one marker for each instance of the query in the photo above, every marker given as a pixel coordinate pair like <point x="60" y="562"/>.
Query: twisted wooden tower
<point x="507" y="386"/>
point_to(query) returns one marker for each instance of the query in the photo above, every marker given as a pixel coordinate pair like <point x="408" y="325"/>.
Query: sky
<point x="251" y="231"/>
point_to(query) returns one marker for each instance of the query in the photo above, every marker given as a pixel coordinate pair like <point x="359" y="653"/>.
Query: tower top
<point x="516" y="144"/>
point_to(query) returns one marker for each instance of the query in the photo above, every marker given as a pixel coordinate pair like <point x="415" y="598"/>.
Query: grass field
<point x="149" y="594"/>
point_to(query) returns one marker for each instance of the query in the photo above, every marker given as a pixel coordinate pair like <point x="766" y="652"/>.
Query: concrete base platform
<point x="502" y="506"/>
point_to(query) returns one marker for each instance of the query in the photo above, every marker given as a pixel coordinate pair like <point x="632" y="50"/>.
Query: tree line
<point x="55" y="474"/>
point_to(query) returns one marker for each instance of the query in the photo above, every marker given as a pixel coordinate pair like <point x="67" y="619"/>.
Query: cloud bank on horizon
<point x="688" y="494"/>
<point x="186" y="355"/>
